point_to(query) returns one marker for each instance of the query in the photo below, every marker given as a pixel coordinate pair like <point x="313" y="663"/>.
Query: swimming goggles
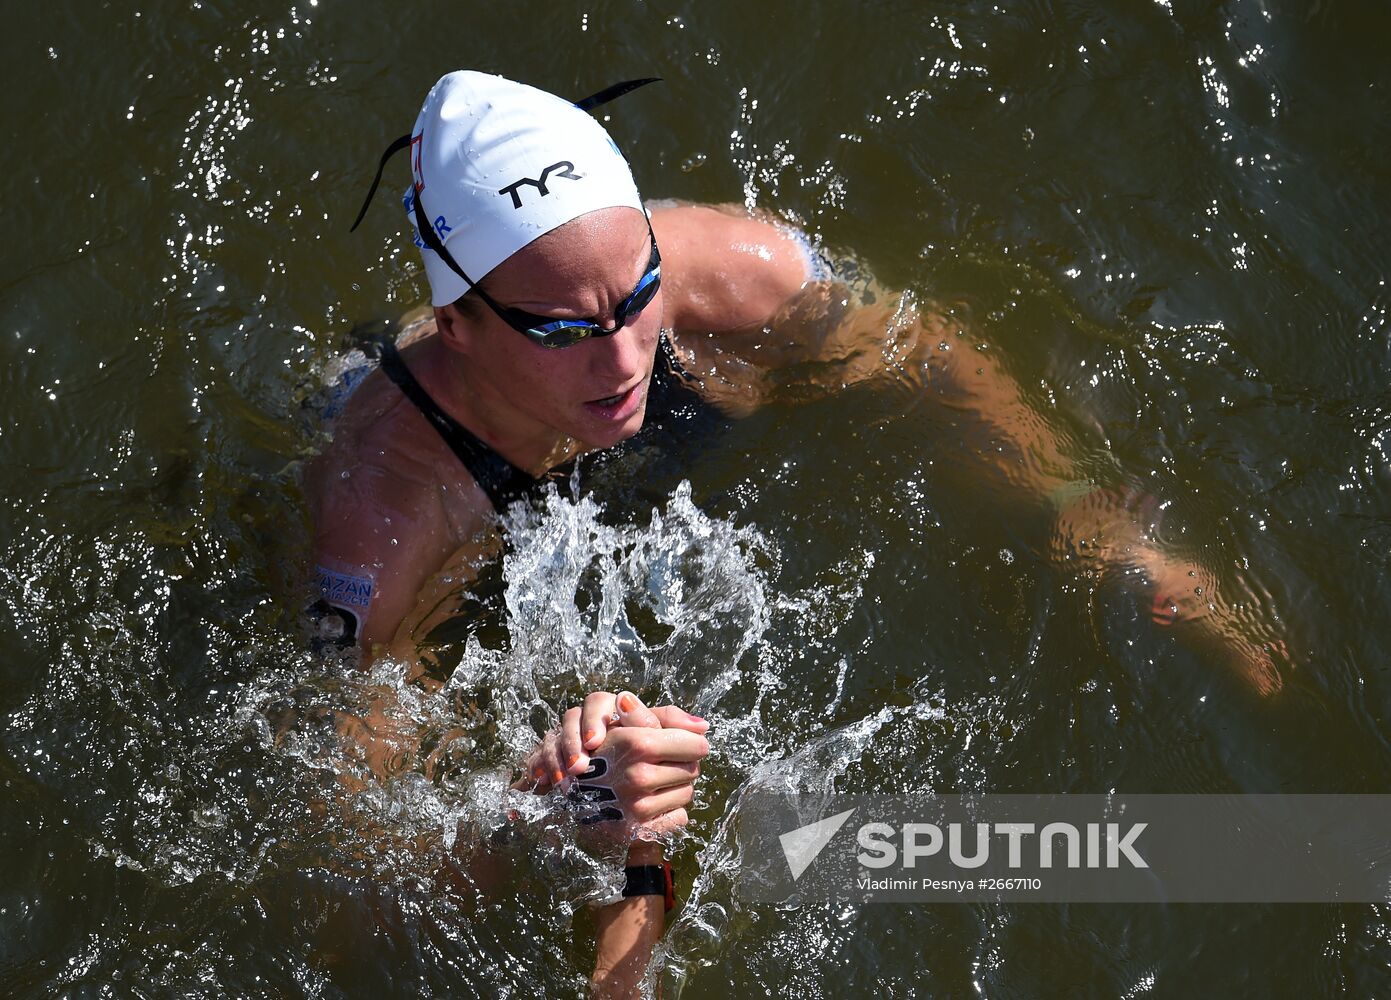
<point x="547" y="330"/>
<point x="557" y="333"/>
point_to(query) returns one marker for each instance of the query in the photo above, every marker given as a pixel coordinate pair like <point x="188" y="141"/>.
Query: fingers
<point x="595" y="718"/>
<point x="584" y="730"/>
<point x="633" y="713"/>
<point x="570" y="754"/>
<point x="631" y="734"/>
<point x="678" y="745"/>
<point x="651" y="806"/>
<point x="672" y="717"/>
<point x="662" y="826"/>
<point x="543" y="767"/>
<point x="658" y="745"/>
<point x="659" y="777"/>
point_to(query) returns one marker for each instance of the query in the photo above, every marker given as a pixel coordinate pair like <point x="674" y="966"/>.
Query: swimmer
<point x="558" y="300"/>
<point x="550" y="286"/>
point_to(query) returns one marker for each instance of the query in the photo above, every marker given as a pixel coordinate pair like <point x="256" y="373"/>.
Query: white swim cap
<point x="497" y="164"/>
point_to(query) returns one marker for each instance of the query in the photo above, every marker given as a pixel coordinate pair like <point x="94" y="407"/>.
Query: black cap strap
<point x="429" y="237"/>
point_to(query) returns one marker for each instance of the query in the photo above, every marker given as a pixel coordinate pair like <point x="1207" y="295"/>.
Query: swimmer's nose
<point x="620" y="357"/>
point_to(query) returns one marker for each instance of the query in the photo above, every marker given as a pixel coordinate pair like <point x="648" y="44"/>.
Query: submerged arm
<point x="794" y="342"/>
<point x="757" y="321"/>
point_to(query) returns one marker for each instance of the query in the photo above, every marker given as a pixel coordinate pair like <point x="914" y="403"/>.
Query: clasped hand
<point x="625" y="761"/>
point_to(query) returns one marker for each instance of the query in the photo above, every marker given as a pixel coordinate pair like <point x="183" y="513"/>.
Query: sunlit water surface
<point x="1166" y="217"/>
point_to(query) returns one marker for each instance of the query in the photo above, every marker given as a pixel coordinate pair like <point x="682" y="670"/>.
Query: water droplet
<point x="1006" y="556"/>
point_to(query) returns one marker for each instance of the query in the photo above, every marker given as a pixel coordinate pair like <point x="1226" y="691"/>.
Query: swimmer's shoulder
<point x="375" y="431"/>
<point x="390" y="518"/>
<point x="724" y="268"/>
<point x="385" y="461"/>
<point x="379" y="426"/>
<point x="376" y="406"/>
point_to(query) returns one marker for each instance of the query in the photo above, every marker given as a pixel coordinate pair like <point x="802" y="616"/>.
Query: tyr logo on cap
<point x="540" y="185"/>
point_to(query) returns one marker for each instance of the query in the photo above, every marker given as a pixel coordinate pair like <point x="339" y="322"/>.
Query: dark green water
<point x="1166" y="216"/>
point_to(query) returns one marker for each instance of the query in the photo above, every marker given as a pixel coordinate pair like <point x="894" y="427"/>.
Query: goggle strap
<point x="391" y="151"/>
<point x="427" y="234"/>
<point x="613" y="92"/>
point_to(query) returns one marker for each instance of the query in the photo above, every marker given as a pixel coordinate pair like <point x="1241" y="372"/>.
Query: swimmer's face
<point x="596" y="390"/>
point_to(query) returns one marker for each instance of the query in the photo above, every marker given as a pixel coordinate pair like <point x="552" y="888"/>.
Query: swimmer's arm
<point x="627" y="932"/>
<point x="381" y="551"/>
<point x="740" y="293"/>
<point x="753" y="322"/>
<point x="750" y="319"/>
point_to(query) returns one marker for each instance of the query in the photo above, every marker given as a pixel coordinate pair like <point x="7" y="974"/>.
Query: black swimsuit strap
<point x="502" y="481"/>
<point x="497" y="477"/>
<point x="674" y="364"/>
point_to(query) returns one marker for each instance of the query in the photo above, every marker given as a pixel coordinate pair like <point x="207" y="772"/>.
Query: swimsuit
<point x="497" y="477"/>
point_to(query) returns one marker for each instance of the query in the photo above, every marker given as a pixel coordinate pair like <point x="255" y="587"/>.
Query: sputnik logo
<point x="802" y="845"/>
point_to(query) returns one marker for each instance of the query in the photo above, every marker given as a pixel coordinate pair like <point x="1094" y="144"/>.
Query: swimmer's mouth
<point x="621" y="405"/>
<point x="618" y="397"/>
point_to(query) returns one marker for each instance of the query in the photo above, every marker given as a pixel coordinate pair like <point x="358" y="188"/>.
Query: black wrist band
<point x="650" y="880"/>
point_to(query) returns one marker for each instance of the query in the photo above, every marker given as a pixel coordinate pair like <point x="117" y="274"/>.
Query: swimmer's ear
<point x="453" y="328"/>
<point x="612" y="93"/>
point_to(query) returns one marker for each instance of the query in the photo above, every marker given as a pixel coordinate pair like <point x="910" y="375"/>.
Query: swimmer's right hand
<point x="639" y="783"/>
